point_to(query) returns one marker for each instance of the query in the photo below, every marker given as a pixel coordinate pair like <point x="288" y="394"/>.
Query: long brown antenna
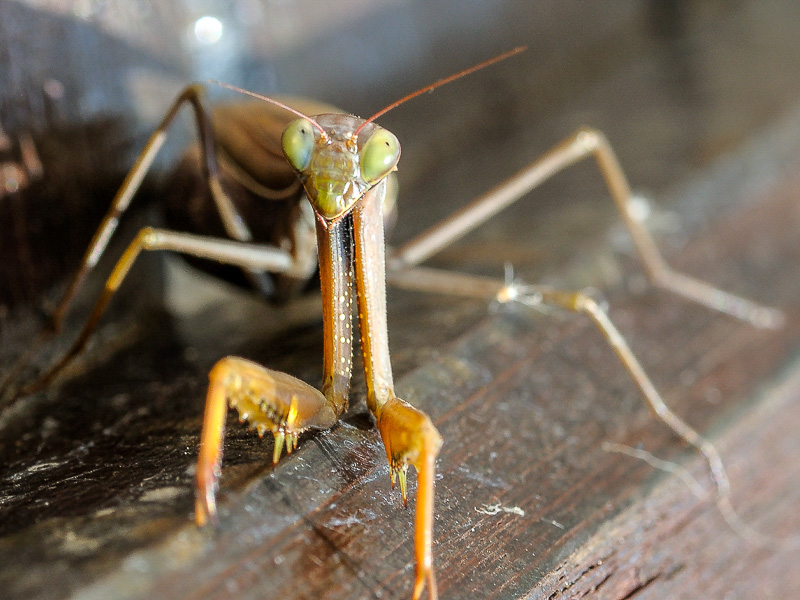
<point x="271" y="101"/>
<point x="442" y="82"/>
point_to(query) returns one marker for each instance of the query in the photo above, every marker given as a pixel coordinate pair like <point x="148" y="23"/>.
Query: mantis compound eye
<point x="379" y="155"/>
<point x="297" y="142"/>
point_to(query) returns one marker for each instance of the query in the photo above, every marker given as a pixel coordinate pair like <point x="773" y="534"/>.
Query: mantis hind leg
<point x="191" y="95"/>
<point x="583" y="144"/>
<point x="234" y="225"/>
<point x="447" y="282"/>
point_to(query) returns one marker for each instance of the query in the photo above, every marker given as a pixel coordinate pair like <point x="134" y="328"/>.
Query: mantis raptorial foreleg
<point x="409" y="436"/>
<point x="270" y="401"/>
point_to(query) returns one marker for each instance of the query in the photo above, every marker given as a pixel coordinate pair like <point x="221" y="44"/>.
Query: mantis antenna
<point x="383" y="111"/>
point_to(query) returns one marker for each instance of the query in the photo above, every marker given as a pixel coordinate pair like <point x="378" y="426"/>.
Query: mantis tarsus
<point x="345" y="165"/>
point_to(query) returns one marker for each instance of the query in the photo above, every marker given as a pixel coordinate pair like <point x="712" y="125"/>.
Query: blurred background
<point x="673" y="84"/>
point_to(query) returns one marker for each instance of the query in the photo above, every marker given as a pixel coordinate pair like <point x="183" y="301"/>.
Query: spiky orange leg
<point x="268" y="400"/>
<point x="410" y="438"/>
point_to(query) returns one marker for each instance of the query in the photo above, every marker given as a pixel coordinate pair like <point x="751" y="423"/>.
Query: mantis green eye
<point x="297" y="142"/>
<point x="379" y="155"/>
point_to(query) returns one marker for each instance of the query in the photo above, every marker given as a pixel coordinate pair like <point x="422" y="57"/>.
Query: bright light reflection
<point x="208" y="30"/>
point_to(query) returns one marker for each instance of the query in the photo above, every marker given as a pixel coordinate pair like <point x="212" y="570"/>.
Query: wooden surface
<point x="96" y="495"/>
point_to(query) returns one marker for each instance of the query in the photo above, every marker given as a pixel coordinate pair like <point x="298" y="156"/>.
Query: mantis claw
<point x="279" y="439"/>
<point x="401" y="474"/>
<point x="411" y="438"/>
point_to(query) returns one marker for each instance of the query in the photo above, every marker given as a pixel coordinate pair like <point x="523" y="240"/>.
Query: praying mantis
<point x="344" y="166"/>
